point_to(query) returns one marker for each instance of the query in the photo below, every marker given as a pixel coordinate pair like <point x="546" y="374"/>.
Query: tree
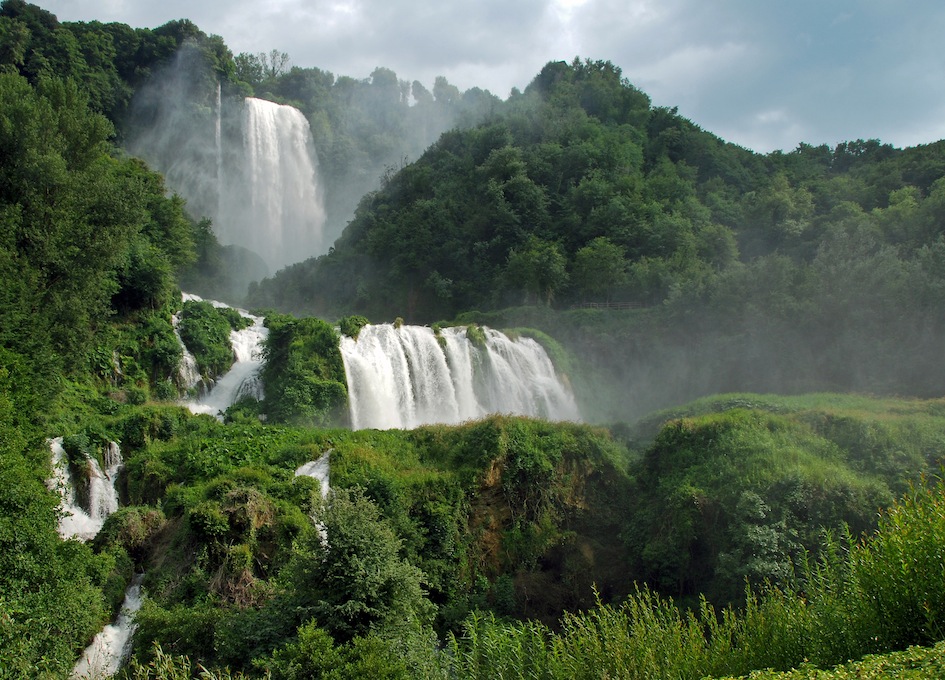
<point x="443" y="92"/>
<point x="539" y="268"/>
<point x="599" y="268"/>
<point x="354" y="581"/>
<point x="274" y="64"/>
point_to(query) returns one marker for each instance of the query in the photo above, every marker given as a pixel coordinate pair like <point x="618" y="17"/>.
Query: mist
<point x="855" y="323"/>
<point x="249" y="166"/>
<point x="278" y="182"/>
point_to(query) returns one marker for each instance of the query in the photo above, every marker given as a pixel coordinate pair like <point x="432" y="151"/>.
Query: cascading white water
<point x="318" y="469"/>
<point x="109" y="649"/>
<point x="188" y="375"/>
<point x="76" y="521"/>
<point x="403" y="378"/>
<point x="218" y="143"/>
<point x="272" y="202"/>
<point x="243" y="377"/>
<point x="249" y="165"/>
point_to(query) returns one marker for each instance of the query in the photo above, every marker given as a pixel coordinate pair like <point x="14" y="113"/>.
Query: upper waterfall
<point x="403" y="378"/>
<point x="271" y="202"/>
<point x="248" y="164"/>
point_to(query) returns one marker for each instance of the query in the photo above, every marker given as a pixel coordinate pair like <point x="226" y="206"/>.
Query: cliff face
<point x="545" y="513"/>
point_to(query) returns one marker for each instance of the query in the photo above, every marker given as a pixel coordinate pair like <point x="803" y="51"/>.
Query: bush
<point x="900" y="570"/>
<point x="304" y="375"/>
<point x="205" y="330"/>
<point x="357" y="582"/>
<point x="133" y="528"/>
<point x="351" y="325"/>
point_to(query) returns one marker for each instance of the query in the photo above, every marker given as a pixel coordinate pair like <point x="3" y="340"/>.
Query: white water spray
<point x="188" y="375"/>
<point x="109" y="649"/>
<point x="218" y="144"/>
<point x="403" y="378"/>
<point x="271" y="203"/>
<point x="318" y="469"/>
<point x="243" y="377"/>
<point x="77" y="521"/>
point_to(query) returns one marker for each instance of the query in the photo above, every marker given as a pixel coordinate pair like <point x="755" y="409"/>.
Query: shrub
<point x="205" y="330"/>
<point x="351" y="325"/>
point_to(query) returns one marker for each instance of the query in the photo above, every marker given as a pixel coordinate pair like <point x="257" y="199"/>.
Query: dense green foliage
<point x="87" y="237"/>
<point x="510" y="514"/>
<point x="520" y="517"/>
<point x="847" y="606"/>
<point x="304" y="376"/>
<point x="855" y="600"/>
<point x="742" y="489"/>
<point x="576" y="189"/>
<point x="108" y="61"/>
<point x="205" y="330"/>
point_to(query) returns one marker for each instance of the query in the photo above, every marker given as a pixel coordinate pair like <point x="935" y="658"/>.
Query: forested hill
<point x="577" y="190"/>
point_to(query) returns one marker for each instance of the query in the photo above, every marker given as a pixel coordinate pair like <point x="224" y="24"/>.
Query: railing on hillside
<point x="607" y="305"/>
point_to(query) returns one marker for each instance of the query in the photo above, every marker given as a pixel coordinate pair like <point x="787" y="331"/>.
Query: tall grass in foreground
<point x="882" y="593"/>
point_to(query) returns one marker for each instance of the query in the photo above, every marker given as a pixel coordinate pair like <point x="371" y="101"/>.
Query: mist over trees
<point x="367" y="129"/>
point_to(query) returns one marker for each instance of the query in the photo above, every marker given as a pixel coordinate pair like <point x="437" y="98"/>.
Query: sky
<point x="764" y="74"/>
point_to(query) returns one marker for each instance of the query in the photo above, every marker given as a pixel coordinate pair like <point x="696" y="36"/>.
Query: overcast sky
<point x="766" y="74"/>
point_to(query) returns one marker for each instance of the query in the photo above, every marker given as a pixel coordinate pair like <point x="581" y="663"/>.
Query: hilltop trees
<point x="356" y="582"/>
<point x="600" y="268"/>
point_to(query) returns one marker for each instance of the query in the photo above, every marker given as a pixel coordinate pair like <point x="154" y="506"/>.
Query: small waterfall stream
<point x="318" y="469"/>
<point x="188" y="375"/>
<point x="86" y="501"/>
<point x="82" y="520"/>
<point x="243" y="377"/>
<point x="105" y="655"/>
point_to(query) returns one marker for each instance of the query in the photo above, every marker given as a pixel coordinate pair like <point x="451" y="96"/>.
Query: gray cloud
<point x="765" y="75"/>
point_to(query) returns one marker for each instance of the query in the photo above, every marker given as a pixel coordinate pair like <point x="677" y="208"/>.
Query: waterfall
<point x="218" y="145"/>
<point x="188" y="375"/>
<point x="317" y="469"/>
<point x="82" y="520"/>
<point x="247" y="164"/>
<point x="111" y="647"/>
<point x="403" y="378"/>
<point x="271" y="203"/>
<point x="243" y="377"/>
